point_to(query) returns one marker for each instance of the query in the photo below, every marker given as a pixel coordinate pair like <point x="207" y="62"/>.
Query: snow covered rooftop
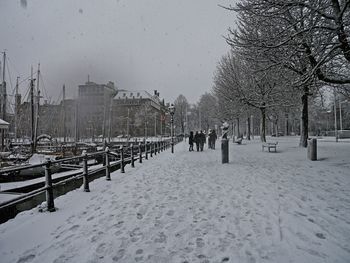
<point x="135" y="94"/>
<point x="4" y="124"/>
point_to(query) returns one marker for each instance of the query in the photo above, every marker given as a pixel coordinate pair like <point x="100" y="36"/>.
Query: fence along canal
<point x="49" y="189"/>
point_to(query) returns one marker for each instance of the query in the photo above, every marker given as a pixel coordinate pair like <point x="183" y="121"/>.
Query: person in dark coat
<point x="202" y="140"/>
<point x="213" y="139"/>
<point x="197" y="140"/>
<point x="190" y="141"/>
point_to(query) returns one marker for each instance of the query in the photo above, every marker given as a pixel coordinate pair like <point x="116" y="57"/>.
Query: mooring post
<point x="108" y="167"/>
<point x="224" y="151"/>
<point x="140" y="153"/>
<point x="122" y="170"/>
<point x="146" y="150"/>
<point x="132" y="155"/>
<point x="48" y="185"/>
<point x="85" y="172"/>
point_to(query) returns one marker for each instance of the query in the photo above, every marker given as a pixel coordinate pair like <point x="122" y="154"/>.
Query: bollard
<point x="150" y="148"/>
<point x="158" y="144"/>
<point x="122" y="170"/>
<point x="48" y="185"/>
<point x="140" y="153"/>
<point x="108" y="167"/>
<point x="312" y="149"/>
<point x="224" y="150"/>
<point x="146" y="151"/>
<point x="132" y="156"/>
<point x="85" y="172"/>
<point x="155" y="148"/>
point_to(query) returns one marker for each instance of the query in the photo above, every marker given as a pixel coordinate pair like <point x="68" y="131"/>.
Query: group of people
<point x="200" y="139"/>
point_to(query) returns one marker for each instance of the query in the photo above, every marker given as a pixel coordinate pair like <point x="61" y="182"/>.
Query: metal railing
<point x="113" y="159"/>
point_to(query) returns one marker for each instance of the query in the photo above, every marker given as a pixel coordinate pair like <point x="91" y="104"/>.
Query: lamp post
<point x="172" y="111"/>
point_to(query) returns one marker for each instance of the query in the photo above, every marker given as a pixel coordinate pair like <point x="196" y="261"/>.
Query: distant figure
<point x="197" y="140"/>
<point x="212" y="139"/>
<point x="190" y="141"/>
<point x="224" y="128"/>
<point x="202" y="140"/>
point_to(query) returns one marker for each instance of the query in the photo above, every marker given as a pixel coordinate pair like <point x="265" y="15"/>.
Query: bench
<point x="239" y="141"/>
<point x="270" y="145"/>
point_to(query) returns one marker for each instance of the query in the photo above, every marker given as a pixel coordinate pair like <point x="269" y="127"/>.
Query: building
<point x="138" y="114"/>
<point x="94" y="102"/>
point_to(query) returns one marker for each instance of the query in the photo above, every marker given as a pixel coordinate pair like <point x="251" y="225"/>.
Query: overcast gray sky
<point x="169" y="45"/>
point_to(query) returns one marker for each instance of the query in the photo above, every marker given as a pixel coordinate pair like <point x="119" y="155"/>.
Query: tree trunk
<point x="263" y="125"/>
<point x="304" y="129"/>
<point x="248" y="127"/>
<point x="286" y="125"/>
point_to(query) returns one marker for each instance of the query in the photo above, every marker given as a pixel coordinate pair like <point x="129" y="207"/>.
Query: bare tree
<point x="181" y="108"/>
<point x="208" y="107"/>
<point x="239" y="80"/>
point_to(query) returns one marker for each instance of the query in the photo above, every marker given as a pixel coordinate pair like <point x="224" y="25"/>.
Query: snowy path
<point x="188" y="207"/>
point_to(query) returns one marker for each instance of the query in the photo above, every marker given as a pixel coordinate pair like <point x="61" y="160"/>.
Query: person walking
<point x="202" y="140"/>
<point x="197" y="140"/>
<point x="213" y="139"/>
<point x="190" y="141"/>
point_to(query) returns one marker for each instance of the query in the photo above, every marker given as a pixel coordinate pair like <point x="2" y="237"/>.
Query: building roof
<point x="136" y="94"/>
<point x="4" y="124"/>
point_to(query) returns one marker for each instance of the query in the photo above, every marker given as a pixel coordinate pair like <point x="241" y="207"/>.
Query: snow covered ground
<point x="188" y="207"/>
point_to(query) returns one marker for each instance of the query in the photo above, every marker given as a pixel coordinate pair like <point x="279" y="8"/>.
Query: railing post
<point x="85" y="173"/>
<point x="108" y="167"/>
<point x="132" y="155"/>
<point x="146" y="150"/>
<point x="140" y="153"/>
<point x="48" y="184"/>
<point x="122" y="170"/>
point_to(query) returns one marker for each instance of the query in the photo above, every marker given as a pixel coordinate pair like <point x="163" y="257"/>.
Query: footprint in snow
<point x="320" y="235"/>
<point x="27" y="258"/>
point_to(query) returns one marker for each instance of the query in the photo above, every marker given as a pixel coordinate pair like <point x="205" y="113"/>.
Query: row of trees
<point x="285" y="56"/>
<point x="282" y="53"/>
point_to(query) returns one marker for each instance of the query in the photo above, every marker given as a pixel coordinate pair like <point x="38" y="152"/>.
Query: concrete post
<point x="132" y="156"/>
<point x="85" y="173"/>
<point x="312" y="149"/>
<point x="108" y="167"/>
<point x="48" y="185"/>
<point x="122" y="164"/>
<point x="224" y="151"/>
<point x="140" y="153"/>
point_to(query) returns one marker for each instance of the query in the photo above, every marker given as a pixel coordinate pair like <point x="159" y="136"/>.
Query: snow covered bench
<point x="239" y="141"/>
<point x="270" y="145"/>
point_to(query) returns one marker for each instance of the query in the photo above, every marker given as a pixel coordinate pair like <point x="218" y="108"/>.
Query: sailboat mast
<point x="37" y="107"/>
<point x="4" y="98"/>
<point x="64" y="113"/>
<point x="32" y="111"/>
<point x="16" y="108"/>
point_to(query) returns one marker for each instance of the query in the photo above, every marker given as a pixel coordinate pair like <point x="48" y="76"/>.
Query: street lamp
<point x="172" y="111"/>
